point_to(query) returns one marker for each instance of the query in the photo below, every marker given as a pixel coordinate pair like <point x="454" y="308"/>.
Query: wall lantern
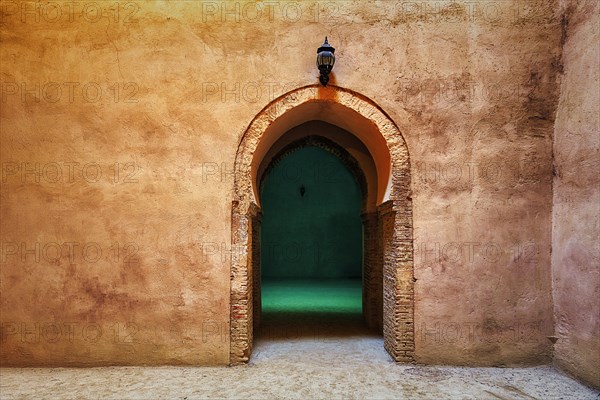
<point x="325" y="61"/>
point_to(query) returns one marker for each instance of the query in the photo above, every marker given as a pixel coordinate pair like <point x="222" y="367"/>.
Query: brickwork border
<point x="393" y="244"/>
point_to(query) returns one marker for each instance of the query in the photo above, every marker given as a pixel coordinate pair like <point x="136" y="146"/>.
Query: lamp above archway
<point x="325" y="61"/>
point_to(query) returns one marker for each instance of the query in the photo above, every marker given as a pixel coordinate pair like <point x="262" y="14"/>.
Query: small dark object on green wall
<point x="317" y="236"/>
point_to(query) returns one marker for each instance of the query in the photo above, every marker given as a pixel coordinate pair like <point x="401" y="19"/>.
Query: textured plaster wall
<point x="576" y="224"/>
<point x="162" y="91"/>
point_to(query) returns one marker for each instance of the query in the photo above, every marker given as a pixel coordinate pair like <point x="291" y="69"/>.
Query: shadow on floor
<point x="312" y="309"/>
<point x="296" y="325"/>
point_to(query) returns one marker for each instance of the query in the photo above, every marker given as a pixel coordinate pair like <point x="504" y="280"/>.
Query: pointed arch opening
<point x="371" y="145"/>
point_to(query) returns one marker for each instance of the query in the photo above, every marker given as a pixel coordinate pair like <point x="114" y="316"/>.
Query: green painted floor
<point x="295" y="309"/>
<point x="339" y="296"/>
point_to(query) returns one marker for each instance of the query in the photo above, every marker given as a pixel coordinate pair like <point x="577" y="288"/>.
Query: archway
<point x="387" y="227"/>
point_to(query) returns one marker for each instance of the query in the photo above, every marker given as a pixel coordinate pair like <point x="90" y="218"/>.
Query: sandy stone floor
<point x="323" y="367"/>
<point x="299" y="355"/>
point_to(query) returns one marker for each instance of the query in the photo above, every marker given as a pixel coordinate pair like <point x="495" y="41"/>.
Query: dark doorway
<point x="311" y="246"/>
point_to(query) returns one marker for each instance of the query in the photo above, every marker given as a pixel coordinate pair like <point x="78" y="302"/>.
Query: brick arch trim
<point x="390" y="226"/>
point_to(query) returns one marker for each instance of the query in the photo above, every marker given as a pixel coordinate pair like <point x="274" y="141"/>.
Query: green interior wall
<point x="315" y="235"/>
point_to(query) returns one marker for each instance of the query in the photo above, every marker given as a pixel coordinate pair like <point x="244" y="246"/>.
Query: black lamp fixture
<point x="325" y="61"/>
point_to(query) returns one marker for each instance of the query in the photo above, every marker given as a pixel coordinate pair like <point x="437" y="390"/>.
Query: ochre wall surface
<point x="162" y="91"/>
<point x="576" y="214"/>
